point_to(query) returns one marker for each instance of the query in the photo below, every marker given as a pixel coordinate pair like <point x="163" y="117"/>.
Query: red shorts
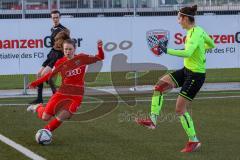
<point x="60" y="101"/>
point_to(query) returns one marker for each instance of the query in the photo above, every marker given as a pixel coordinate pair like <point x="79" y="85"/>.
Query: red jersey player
<point x="69" y="96"/>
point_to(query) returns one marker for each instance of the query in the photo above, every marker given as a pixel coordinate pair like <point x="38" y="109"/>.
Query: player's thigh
<point x="53" y="104"/>
<point x="69" y="106"/>
<point x="177" y="77"/>
<point x="164" y="84"/>
<point x="76" y="103"/>
<point x="46" y="116"/>
<point x="174" y="79"/>
<point x="192" y="85"/>
<point x="167" y="79"/>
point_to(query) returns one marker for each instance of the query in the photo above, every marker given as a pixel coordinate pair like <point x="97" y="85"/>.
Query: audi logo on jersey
<point x="73" y="72"/>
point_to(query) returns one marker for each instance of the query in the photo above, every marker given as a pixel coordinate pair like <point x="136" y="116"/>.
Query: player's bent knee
<point x="162" y="86"/>
<point x="64" y="115"/>
<point x="159" y="88"/>
<point x="46" y="117"/>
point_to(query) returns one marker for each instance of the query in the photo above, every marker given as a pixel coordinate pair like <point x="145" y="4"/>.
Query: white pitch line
<point x="20" y="148"/>
<point x="138" y="100"/>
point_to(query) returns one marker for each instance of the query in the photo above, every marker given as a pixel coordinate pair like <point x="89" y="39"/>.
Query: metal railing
<point x="11" y="9"/>
<point x="89" y="8"/>
<point x="73" y="4"/>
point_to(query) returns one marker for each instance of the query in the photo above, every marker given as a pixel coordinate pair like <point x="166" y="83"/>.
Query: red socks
<point x="53" y="124"/>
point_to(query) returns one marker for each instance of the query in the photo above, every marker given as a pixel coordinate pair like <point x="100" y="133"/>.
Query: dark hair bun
<point x="194" y="10"/>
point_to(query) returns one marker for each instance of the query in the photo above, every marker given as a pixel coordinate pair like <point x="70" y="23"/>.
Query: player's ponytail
<point x="190" y="12"/>
<point x="194" y="10"/>
<point x="60" y="38"/>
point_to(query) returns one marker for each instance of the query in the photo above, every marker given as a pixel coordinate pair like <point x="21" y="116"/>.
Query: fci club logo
<point x="153" y="38"/>
<point x="77" y="62"/>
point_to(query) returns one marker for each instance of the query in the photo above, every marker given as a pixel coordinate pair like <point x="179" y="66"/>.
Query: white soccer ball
<point x="43" y="136"/>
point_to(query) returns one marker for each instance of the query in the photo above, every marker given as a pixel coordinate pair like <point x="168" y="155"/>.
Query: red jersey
<point x="73" y="75"/>
<point x="72" y="72"/>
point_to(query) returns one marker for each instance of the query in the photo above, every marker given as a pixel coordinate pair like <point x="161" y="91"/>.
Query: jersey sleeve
<point x="89" y="59"/>
<point x="86" y="58"/>
<point x="57" y="67"/>
<point x="41" y="80"/>
<point x="209" y="43"/>
<point x="190" y="47"/>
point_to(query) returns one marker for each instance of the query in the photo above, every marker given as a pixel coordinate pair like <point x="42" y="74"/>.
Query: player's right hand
<point x="100" y="54"/>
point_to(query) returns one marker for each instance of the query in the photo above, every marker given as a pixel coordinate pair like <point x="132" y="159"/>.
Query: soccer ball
<point x="43" y="136"/>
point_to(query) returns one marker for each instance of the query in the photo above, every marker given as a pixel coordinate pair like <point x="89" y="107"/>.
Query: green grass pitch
<point x="117" y="137"/>
<point x="104" y="79"/>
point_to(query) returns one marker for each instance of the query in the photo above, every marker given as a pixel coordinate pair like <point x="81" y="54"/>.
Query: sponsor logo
<point x="153" y="38"/>
<point x="218" y="38"/>
<point x="73" y="72"/>
<point x="31" y="43"/>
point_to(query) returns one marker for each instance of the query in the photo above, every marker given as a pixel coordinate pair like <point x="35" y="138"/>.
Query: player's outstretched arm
<point x="190" y="47"/>
<point x="57" y="68"/>
<point x="209" y="43"/>
<point x="89" y="59"/>
<point x="45" y="78"/>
